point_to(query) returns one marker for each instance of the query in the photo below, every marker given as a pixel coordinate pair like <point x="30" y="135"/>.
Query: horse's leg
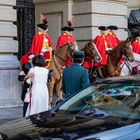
<point x="92" y="74"/>
<point x="58" y="90"/>
<point x="100" y="72"/>
<point x="50" y="89"/>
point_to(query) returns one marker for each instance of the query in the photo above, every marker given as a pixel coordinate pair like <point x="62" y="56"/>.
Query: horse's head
<point x="127" y="50"/>
<point x="72" y="46"/>
<point x="91" y="50"/>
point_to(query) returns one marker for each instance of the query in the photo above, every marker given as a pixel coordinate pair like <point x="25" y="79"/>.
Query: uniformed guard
<point x="75" y="77"/>
<point x="41" y="44"/>
<point x="103" y="45"/>
<point x="136" y="49"/>
<point x="114" y="40"/>
<point x="136" y="43"/>
<point x="66" y="37"/>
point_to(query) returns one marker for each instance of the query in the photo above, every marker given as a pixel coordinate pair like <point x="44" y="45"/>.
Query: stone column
<point x="133" y="4"/>
<point x="88" y="15"/>
<point x="10" y="88"/>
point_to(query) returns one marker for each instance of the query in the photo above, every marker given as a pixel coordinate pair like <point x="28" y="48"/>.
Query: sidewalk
<point x="7" y="114"/>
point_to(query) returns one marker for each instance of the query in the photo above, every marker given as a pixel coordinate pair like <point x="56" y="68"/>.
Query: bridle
<point x="69" y="51"/>
<point x="69" y="56"/>
<point x="93" y="57"/>
<point x="126" y="59"/>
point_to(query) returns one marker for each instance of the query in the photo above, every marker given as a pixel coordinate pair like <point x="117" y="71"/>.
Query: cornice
<point x="47" y="1"/>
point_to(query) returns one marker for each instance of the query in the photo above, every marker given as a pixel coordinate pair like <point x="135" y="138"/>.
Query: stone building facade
<point x="9" y="65"/>
<point x="86" y="16"/>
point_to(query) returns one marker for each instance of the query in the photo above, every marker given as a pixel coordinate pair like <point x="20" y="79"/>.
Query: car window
<point x="118" y="99"/>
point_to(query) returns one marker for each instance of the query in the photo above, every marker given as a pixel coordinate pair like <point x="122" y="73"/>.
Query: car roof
<point x="131" y="78"/>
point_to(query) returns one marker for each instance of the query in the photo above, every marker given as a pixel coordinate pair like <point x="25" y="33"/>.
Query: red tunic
<point x="136" y="47"/>
<point x="64" y="39"/>
<point x="114" y="40"/>
<point x="36" y="48"/>
<point x="102" y="43"/>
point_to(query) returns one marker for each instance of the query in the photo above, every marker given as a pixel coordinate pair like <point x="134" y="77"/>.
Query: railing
<point x="25" y="25"/>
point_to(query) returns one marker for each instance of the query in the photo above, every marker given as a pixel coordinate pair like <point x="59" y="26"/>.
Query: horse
<point x="127" y="67"/>
<point x="58" y="63"/>
<point x="113" y="68"/>
<point x="91" y="57"/>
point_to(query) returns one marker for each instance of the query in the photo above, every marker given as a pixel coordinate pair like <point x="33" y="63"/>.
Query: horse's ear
<point x="129" y="39"/>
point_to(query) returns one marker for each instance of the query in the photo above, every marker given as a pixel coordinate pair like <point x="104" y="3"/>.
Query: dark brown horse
<point x="91" y="50"/>
<point x="112" y="68"/>
<point x="91" y="57"/>
<point x="58" y="63"/>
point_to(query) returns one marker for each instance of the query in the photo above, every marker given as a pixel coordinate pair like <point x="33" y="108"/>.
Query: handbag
<point x="27" y="95"/>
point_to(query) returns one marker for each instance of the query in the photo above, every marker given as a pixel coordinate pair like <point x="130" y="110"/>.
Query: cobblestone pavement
<point x="8" y="114"/>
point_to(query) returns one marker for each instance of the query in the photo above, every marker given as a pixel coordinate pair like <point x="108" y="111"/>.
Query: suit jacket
<point x="25" y="68"/>
<point x="74" y="78"/>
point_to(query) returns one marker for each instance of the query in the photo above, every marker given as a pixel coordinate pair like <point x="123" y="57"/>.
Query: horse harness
<point x="117" y="68"/>
<point x="62" y="59"/>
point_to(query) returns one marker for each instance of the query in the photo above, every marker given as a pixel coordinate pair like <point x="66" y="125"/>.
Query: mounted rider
<point x="136" y="49"/>
<point x="103" y="45"/>
<point x="66" y="37"/>
<point x="114" y="40"/>
<point x="41" y="44"/>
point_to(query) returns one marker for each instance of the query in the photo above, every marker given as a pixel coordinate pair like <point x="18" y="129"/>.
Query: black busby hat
<point x="112" y="27"/>
<point x="43" y="25"/>
<point x="103" y="28"/>
<point x="69" y="27"/>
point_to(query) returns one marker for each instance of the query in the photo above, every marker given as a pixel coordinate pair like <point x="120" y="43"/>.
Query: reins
<point x="57" y="64"/>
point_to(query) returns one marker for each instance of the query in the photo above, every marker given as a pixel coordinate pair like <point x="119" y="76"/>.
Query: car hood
<point x="115" y="133"/>
<point x="63" y="125"/>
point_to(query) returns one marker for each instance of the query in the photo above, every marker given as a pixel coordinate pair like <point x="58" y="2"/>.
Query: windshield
<point x="103" y="100"/>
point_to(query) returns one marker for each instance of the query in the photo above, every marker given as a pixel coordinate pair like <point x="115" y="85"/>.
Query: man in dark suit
<point x="26" y="82"/>
<point x="75" y="77"/>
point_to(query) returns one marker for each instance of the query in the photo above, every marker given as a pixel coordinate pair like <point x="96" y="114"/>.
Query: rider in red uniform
<point x="66" y="37"/>
<point x="112" y="36"/>
<point x="136" y="49"/>
<point x="41" y="44"/>
<point x="136" y="44"/>
<point x="103" y="44"/>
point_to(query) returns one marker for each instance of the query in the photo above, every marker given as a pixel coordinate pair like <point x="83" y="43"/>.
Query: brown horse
<point x="91" y="50"/>
<point x="58" y="63"/>
<point x="113" y="68"/>
<point x="91" y="57"/>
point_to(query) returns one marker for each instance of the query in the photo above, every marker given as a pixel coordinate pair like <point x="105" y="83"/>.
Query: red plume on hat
<point x="45" y="20"/>
<point x="69" y="27"/>
<point x="69" y="22"/>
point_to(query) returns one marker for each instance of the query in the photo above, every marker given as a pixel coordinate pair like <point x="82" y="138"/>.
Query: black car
<point x="107" y="110"/>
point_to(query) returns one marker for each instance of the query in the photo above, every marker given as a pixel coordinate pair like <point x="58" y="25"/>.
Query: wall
<point x="10" y="88"/>
<point x="86" y="16"/>
<point x="57" y="12"/>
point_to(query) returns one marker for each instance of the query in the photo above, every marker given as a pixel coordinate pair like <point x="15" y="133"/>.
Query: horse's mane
<point x="121" y="44"/>
<point x="85" y="45"/>
<point x="63" y="46"/>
